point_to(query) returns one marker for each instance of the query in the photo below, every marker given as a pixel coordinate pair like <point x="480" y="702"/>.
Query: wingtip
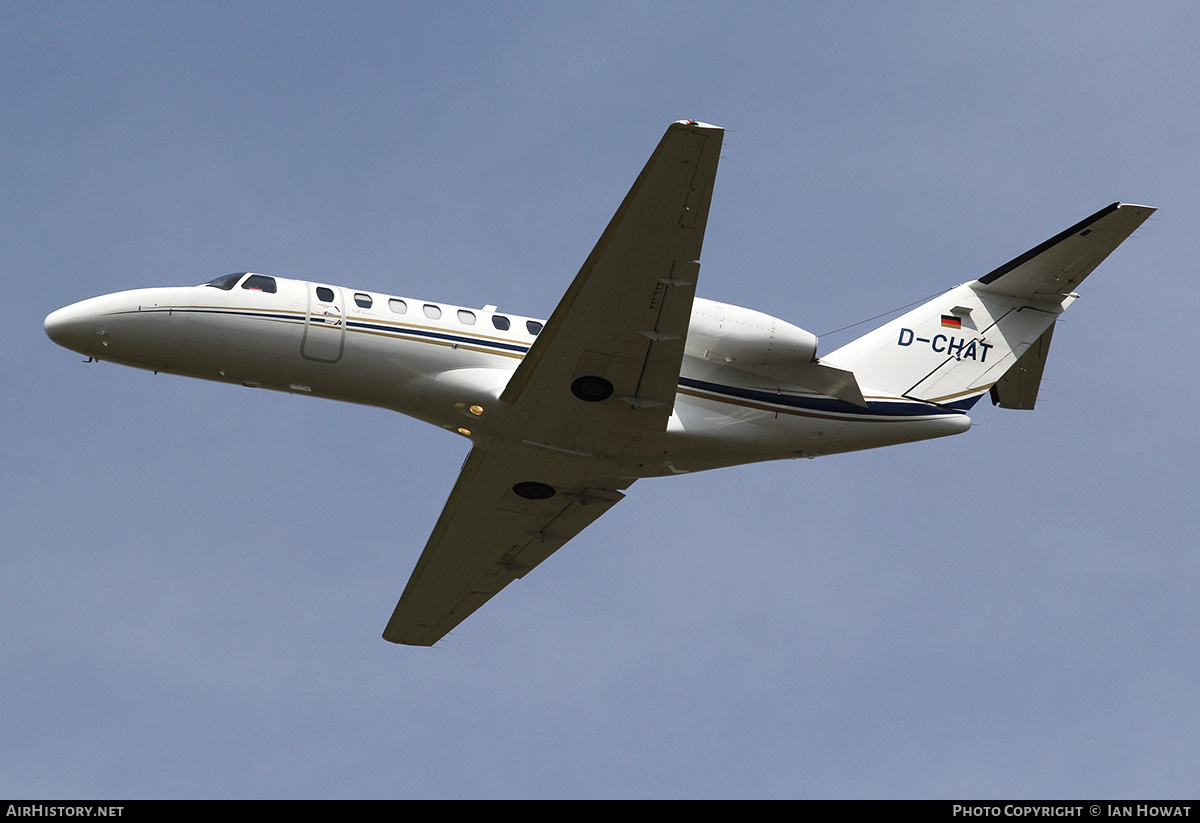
<point x="698" y="124"/>
<point x="401" y="640"/>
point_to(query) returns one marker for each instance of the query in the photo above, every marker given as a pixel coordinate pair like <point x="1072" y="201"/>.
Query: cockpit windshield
<point x="260" y="282"/>
<point x="226" y="282"/>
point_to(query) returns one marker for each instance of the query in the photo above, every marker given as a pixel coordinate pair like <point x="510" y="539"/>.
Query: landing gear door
<point x="325" y="325"/>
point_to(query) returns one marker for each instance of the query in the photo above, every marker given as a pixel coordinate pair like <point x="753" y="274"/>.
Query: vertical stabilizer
<point x="1018" y="388"/>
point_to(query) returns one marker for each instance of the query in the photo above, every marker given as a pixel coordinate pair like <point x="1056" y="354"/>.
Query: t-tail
<point x="991" y="334"/>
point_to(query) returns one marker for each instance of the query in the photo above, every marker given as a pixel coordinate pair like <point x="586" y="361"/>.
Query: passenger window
<point x="260" y="282"/>
<point x="533" y="326"/>
<point x="363" y="300"/>
<point x="324" y="295"/>
<point x="466" y="318"/>
<point x="397" y="305"/>
<point x="431" y="311"/>
<point x="500" y="322"/>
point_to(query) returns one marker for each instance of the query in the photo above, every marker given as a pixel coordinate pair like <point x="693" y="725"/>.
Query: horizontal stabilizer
<point x="1059" y="265"/>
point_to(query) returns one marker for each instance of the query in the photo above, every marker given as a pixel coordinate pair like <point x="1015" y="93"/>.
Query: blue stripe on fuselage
<point x="875" y="408"/>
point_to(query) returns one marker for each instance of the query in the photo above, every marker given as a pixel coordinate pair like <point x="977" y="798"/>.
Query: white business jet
<point x="632" y="376"/>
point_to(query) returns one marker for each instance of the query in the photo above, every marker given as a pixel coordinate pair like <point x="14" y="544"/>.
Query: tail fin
<point x="963" y="343"/>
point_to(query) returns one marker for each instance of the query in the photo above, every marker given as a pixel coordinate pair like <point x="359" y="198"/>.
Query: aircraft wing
<point x="576" y="423"/>
<point x="489" y="535"/>
<point x="625" y="317"/>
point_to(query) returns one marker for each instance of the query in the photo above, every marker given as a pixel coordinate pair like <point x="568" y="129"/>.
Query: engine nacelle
<point x="746" y="338"/>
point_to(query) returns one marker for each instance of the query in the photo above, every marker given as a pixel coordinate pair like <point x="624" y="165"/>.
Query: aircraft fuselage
<point x="447" y="365"/>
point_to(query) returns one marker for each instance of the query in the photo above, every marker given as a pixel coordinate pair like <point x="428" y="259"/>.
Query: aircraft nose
<point x="71" y="326"/>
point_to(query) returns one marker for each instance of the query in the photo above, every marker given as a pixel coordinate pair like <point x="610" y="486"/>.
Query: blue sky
<point x="195" y="576"/>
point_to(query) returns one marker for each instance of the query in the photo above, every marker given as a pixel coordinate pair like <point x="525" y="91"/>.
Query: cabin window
<point x="431" y="311"/>
<point x="465" y="317"/>
<point x="397" y="305"/>
<point x="227" y="281"/>
<point x="363" y="300"/>
<point x="500" y="322"/>
<point x="260" y="282"/>
<point x="533" y="326"/>
<point x="324" y="294"/>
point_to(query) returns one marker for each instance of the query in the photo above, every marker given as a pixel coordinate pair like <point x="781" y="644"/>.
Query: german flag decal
<point x="949" y="321"/>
